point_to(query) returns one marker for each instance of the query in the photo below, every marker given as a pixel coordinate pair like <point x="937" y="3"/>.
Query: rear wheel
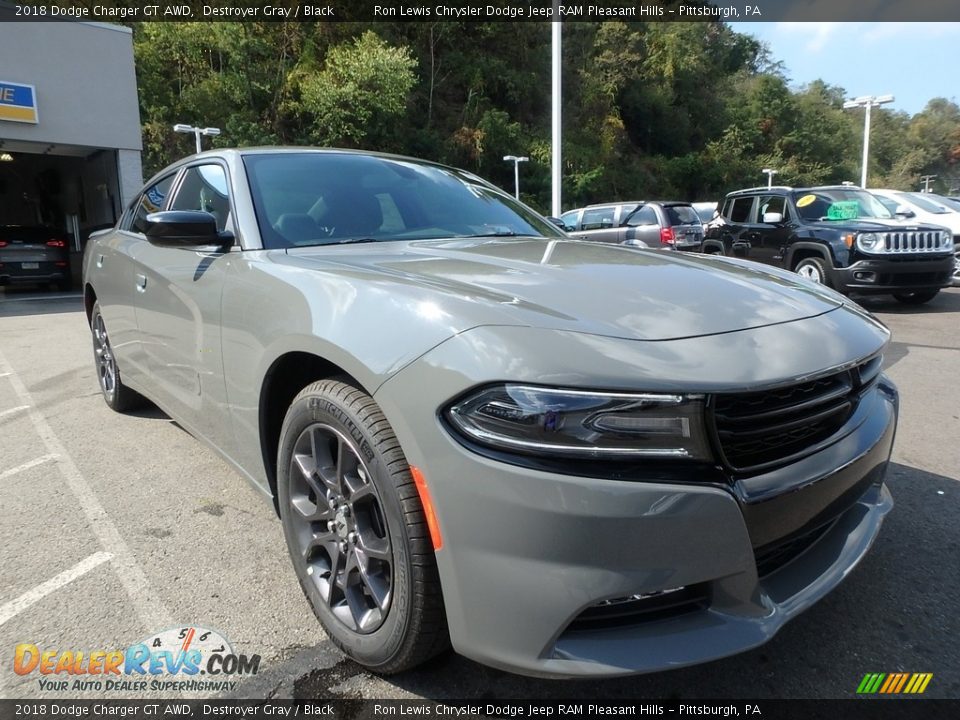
<point x="355" y="529"/>
<point x="918" y="297"/>
<point x="117" y="395"/>
<point x="813" y="269"/>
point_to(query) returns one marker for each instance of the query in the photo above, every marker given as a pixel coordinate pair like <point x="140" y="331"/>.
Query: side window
<point x="570" y="220"/>
<point x="644" y="216"/>
<point x="740" y="212"/>
<point x="597" y="218"/>
<point x="204" y="187"/>
<point x="151" y="201"/>
<point x="771" y="204"/>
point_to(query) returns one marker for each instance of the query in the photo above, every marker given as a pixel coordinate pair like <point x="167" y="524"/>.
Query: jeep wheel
<point x="918" y="297"/>
<point x="355" y="529"/>
<point x="813" y="269"/>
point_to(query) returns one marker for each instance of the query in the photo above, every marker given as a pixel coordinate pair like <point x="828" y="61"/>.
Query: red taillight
<point x="60" y="264"/>
<point x="3" y="243"/>
<point x="56" y="243"/>
<point x="666" y="236"/>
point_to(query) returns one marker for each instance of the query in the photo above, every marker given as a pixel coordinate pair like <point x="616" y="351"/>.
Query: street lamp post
<point x="197" y="131"/>
<point x="925" y="179"/>
<point x="516" y="160"/>
<point x="868" y="102"/>
<point x="770" y="173"/>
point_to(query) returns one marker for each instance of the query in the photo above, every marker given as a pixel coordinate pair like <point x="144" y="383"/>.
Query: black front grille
<point x="636" y="609"/>
<point x="762" y="429"/>
<point x="774" y="556"/>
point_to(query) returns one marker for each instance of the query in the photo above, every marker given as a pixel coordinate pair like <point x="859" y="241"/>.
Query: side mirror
<point x="184" y="229"/>
<point x="772" y="218"/>
<point x="558" y="222"/>
<point x="904" y="211"/>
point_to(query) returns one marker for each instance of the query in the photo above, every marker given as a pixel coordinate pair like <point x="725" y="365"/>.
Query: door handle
<point x="141" y="283"/>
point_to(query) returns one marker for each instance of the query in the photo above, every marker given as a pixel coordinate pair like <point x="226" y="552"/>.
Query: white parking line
<point x="151" y="610"/>
<point x="11" y="411"/>
<point x="73" y="296"/>
<point x="26" y="466"/>
<point x="15" y="607"/>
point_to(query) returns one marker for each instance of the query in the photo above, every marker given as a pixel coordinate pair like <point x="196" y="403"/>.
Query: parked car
<point x="706" y="210"/>
<point x="564" y="458"/>
<point x="838" y="236"/>
<point x="34" y="255"/>
<point x="928" y="208"/>
<point x="641" y="223"/>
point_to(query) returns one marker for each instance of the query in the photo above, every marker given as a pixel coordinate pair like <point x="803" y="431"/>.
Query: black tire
<point x="917" y="297"/>
<point x="336" y="446"/>
<point x="813" y="269"/>
<point x="117" y="395"/>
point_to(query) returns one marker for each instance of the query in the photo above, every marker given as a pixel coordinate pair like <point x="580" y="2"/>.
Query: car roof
<point x="787" y="188"/>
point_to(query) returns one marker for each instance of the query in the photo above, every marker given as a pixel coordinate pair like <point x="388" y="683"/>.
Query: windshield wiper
<point x="350" y="241"/>
<point x="495" y="233"/>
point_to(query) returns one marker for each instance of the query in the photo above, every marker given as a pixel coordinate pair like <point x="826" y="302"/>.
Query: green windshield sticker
<point x="844" y="210"/>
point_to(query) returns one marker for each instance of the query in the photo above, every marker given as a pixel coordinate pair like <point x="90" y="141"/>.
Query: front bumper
<point x="526" y="552"/>
<point x="894" y="274"/>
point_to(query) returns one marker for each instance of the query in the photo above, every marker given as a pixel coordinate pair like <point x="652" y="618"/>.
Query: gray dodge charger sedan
<point x="563" y="458"/>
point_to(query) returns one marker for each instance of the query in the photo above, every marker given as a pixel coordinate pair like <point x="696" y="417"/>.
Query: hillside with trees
<point x="680" y="110"/>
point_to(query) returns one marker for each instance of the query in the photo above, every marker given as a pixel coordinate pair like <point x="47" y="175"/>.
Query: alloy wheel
<point x="106" y="364"/>
<point x="340" y="527"/>
<point x="810" y="272"/>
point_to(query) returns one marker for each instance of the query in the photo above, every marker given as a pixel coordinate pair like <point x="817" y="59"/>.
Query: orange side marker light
<point x="427" y="501"/>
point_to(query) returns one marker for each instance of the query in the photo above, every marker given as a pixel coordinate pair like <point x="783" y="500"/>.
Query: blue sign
<point x="18" y="103"/>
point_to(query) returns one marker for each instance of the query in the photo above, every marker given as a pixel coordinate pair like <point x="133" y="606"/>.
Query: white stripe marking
<point x="31" y="597"/>
<point x="151" y="610"/>
<point x="26" y="466"/>
<point x="42" y="299"/>
<point x="11" y="411"/>
<point x="4" y="374"/>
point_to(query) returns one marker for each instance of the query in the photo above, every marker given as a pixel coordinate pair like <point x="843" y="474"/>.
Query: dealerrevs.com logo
<point x="185" y="659"/>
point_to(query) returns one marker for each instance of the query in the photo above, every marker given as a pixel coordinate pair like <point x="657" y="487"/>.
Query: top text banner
<point x="481" y="11"/>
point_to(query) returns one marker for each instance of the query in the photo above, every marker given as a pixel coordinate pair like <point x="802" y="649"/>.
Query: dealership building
<point x="69" y="124"/>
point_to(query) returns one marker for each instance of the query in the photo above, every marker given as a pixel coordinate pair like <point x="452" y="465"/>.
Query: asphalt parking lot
<point x="117" y="527"/>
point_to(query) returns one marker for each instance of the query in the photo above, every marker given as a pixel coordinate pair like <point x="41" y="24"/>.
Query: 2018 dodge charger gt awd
<point x="563" y="458"/>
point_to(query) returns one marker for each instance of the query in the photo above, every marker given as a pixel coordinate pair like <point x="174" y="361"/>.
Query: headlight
<point x="946" y="239"/>
<point x="579" y="423"/>
<point x="868" y="242"/>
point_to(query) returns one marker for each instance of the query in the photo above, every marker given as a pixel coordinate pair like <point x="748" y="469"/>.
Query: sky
<point x="913" y="61"/>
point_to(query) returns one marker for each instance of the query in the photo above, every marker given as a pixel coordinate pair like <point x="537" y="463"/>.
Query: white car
<point x="926" y="208"/>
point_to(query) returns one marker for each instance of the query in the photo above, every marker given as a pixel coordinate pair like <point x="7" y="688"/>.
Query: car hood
<point x="569" y="285"/>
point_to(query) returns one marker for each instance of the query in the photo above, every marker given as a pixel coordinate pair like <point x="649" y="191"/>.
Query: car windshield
<point x="325" y="198"/>
<point x="838" y="204"/>
<point x="924" y="203"/>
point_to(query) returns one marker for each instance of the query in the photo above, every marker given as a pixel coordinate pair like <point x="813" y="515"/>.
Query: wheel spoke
<point x="377" y="586"/>
<point x="374" y="547"/>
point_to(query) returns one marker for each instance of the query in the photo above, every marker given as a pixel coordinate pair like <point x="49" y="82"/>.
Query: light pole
<point x="197" y="131"/>
<point x="516" y="160"/>
<point x="925" y="179"/>
<point x="868" y="102"/>
<point x="770" y="173"/>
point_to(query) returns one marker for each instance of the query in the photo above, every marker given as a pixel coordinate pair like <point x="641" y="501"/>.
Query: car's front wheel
<point x="356" y="531"/>
<point x="117" y="395"/>
<point x="917" y="297"/>
<point x="813" y="269"/>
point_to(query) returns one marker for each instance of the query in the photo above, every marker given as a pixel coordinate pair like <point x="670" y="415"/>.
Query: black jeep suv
<point x="839" y="236"/>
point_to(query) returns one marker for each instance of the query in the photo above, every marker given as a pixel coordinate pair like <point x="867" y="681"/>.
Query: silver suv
<point x="659" y="224"/>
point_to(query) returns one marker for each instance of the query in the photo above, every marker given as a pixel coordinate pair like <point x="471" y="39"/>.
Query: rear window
<point x="682" y="215"/>
<point x="16" y="233"/>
